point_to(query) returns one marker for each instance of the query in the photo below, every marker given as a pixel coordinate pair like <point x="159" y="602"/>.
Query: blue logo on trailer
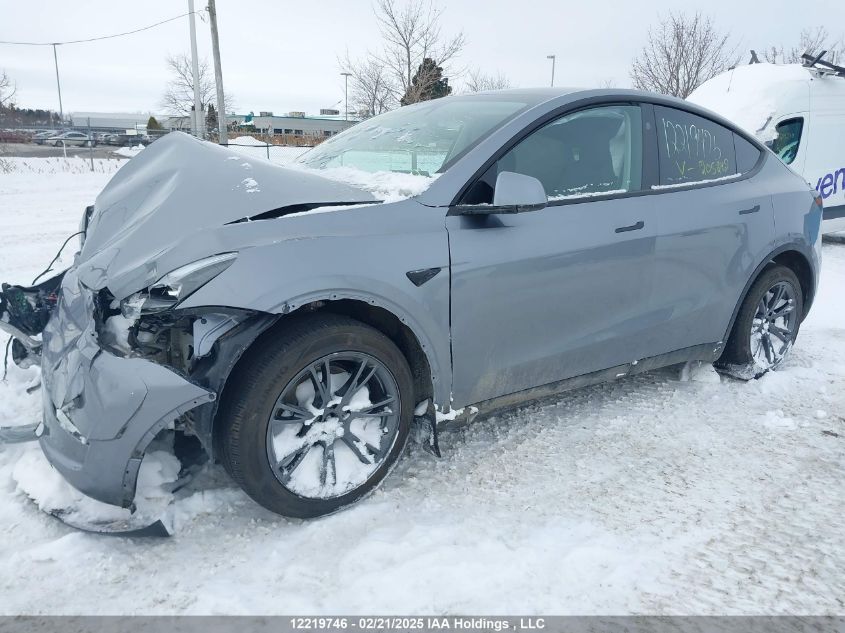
<point x="831" y="183"/>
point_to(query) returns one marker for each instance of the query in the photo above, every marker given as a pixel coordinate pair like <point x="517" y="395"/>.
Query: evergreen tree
<point x="428" y="83"/>
<point x="211" y="118"/>
<point x="152" y="124"/>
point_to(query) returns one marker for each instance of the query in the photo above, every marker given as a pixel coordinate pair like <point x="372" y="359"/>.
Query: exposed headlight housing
<point x="176" y="285"/>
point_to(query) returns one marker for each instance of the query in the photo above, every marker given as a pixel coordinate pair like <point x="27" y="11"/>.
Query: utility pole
<point x="59" y="86"/>
<point x="346" y="76"/>
<point x="198" y="128"/>
<point x="91" y="143"/>
<point x="552" y="57"/>
<point x="222" y="136"/>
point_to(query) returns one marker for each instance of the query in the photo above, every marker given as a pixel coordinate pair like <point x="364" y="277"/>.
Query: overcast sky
<point x="281" y="55"/>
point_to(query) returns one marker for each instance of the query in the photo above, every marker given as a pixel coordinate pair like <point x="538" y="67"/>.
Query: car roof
<point x="566" y="95"/>
<point x="570" y="94"/>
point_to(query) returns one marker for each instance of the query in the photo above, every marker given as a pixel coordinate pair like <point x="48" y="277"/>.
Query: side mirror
<point x="514" y="193"/>
<point x="524" y="193"/>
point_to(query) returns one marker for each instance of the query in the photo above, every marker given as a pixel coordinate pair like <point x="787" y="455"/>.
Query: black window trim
<point x="650" y="163"/>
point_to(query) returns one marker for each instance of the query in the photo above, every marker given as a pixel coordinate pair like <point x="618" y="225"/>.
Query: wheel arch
<point x="418" y="353"/>
<point x="794" y="256"/>
<point x="392" y="326"/>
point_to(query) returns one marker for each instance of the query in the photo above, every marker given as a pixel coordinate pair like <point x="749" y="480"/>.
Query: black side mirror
<point x="514" y="193"/>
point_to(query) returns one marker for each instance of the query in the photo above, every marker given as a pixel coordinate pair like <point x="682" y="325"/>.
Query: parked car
<point x="41" y="138"/>
<point x="70" y="139"/>
<point x="295" y="325"/>
<point x="799" y="112"/>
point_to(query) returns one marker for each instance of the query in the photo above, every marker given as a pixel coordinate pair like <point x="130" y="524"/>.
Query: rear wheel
<point x="766" y="326"/>
<point x="316" y="418"/>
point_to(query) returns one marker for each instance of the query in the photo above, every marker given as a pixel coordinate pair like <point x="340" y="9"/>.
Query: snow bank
<point x="129" y="152"/>
<point x="248" y="140"/>
<point x="35" y="477"/>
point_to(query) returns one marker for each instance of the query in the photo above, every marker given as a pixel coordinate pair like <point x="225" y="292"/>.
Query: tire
<point x="277" y="367"/>
<point x="747" y="355"/>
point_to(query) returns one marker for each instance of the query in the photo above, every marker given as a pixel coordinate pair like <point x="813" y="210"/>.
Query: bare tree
<point x="411" y="33"/>
<point x="812" y="41"/>
<point x="682" y="53"/>
<point x="478" y="81"/>
<point x="7" y="89"/>
<point x="178" y="98"/>
<point x="373" y="92"/>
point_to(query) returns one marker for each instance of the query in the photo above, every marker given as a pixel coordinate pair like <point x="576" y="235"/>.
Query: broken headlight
<point x="176" y="285"/>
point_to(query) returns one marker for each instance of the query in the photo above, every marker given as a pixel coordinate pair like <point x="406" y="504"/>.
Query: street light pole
<point x="346" y="77"/>
<point x="58" y="85"/>
<point x="552" y="57"/>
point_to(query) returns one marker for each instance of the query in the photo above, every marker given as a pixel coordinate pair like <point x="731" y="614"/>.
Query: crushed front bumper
<point x="100" y="410"/>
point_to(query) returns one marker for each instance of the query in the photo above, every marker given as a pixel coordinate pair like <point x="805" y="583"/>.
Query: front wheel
<point x="766" y="326"/>
<point x="315" y="418"/>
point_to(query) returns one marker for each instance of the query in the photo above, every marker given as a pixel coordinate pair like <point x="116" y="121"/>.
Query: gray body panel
<point x="543" y="296"/>
<point x="522" y="301"/>
<point x="711" y="240"/>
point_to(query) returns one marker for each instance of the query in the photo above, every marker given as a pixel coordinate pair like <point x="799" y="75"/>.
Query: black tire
<point x="737" y="358"/>
<point x="265" y="370"/>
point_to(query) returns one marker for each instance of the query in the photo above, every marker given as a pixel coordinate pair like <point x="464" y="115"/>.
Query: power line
<point x="103" y="37"/>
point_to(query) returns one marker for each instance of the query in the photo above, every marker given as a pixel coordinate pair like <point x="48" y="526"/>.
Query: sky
<point x="280" y="55"/>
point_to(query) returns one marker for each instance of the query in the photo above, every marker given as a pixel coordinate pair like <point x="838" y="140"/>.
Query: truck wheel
<point x="314" y="419"/>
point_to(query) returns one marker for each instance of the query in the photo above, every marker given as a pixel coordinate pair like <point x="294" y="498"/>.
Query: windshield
<point x="416" y="139"/>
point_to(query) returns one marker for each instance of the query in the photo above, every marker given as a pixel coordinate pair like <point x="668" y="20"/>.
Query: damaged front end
<point x="117" y="374"/>
<point x="121" y="361"/>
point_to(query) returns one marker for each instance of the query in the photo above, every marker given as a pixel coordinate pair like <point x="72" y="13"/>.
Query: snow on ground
<point x="648" y="495"/>
<point x="129" y="152"/>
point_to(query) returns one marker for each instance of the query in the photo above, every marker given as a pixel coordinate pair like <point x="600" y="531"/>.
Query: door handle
<point x="753" y="209"/>
<point x="633" y="227"/>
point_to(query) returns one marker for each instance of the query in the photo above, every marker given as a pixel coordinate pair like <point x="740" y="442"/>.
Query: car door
<point x="545" y="295"/>
<point x="714" y="224"/>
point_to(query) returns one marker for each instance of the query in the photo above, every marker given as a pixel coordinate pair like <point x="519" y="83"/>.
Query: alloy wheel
<point x="774" y="325"/>
<point x="333" y="425"/>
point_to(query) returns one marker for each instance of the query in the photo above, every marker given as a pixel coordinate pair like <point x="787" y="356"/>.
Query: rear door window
<point x="692" y="149"/>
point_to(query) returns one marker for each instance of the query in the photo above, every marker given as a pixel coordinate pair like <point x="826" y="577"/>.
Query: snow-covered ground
<point x="648" y="495"/>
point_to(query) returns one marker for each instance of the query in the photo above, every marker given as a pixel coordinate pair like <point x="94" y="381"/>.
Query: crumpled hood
<point x="178" y="188"/>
